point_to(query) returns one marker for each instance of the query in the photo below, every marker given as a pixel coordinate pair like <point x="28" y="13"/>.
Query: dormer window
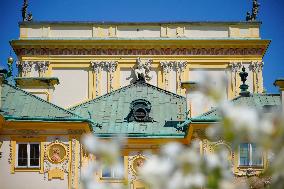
<point x="140" y="111"/>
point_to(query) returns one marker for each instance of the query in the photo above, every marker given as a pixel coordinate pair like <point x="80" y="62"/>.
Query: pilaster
<point x="256" y="68"/>
<point x="235" y="68"/>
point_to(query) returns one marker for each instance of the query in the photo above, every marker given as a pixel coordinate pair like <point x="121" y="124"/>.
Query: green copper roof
<point x="17" y="104"/>
<point x="110" y="112"/>
<point x="258" y="101"/>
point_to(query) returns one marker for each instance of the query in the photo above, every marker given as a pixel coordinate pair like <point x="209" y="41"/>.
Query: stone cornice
<point x="251" y="47"/>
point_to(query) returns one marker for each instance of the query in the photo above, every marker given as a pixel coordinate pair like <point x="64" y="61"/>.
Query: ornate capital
<point x="25" y="66"/>
<point x="110" y="65"/>
<point x="97" y="66"/>
<point x="42" y="66"/>
<point x="235" y="66"/>
<point x="256" y="66"/>
<point x="167" y="66"/>
<point x="180" y="65"/>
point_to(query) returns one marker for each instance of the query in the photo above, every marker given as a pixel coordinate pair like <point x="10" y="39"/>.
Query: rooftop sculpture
<point x="26" y="16"/>
<point x="255" y="9"/>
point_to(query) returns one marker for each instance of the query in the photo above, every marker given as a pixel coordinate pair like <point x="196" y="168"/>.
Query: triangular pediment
<point x="114" y="112"/>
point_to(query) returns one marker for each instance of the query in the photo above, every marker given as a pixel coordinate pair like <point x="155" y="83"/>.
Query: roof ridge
<point x="122" y="88"/>
<point x="42" y="100"/>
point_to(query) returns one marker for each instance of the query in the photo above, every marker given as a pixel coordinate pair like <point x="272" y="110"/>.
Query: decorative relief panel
<point x="134" y="163"/>
<point x="143" y="68"/>
<point x="56" y="156"/>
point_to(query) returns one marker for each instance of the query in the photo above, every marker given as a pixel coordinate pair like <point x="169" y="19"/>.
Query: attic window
<point x="140" y="110"/>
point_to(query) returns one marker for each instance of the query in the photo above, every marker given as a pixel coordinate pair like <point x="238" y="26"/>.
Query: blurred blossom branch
<point x="177" y="166"/>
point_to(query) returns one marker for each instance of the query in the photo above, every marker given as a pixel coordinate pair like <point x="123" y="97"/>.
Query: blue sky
<point x="271" y="14"/>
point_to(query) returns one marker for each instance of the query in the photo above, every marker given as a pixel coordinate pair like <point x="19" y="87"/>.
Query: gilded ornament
<point x="56" y="152"/>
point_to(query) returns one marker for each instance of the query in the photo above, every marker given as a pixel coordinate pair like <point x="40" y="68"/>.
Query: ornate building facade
<point x="120" y="78"/>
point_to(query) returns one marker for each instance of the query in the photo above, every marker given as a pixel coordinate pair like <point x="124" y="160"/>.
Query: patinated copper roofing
<point x="257" y="101"/>
<point x="17" y="104"/>
<point x="110" y="112"/>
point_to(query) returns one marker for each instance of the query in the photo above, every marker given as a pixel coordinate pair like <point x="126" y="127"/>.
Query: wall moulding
<point x="141" y="51"/>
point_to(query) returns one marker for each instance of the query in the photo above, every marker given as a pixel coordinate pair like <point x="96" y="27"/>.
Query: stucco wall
<point x="207" y="32"/>
<point x="71" y="31"/>
<point x="201" y="30"/>
<point x="24" y="180"/>
<point x="138" y="31"/>
<point x="73" y="87"/>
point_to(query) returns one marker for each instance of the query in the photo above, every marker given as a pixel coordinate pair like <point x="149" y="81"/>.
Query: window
<point x="114" y="172"/>
<point x="28" y="155"/>
<point x="250" y="155"/>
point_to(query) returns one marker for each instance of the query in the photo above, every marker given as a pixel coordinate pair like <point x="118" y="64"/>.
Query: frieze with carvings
<point x="157" y="51"/>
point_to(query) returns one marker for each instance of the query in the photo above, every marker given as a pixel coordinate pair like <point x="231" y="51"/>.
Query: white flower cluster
<point x="103" y="154"/>
<point x="181" y="167"/>
<point x="185" y="167"/>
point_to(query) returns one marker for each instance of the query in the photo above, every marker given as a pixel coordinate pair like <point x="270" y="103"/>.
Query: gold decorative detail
<point x="137" y="163"/>
<point x="55" y="174"/>
<point x="10" y="153"/>
<point x="138" y="184"/>
<point x="1" y="142"/>
<point x="56" y="152"/>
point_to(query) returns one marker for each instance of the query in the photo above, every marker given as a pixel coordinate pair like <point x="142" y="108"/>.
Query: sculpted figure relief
<point x="56" y="152"/>
<point x="56" y="155"/>
<point x="142" y="72"/>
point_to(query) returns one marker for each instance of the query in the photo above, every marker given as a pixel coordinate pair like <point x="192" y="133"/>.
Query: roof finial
<point x="255" y="9"/>
<point x="244" y="86"/>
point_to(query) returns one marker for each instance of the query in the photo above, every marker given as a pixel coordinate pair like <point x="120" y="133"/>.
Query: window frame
<point x="113" y="172"/>
<point x="250" y="156"/>
<point x="28" y="156"/>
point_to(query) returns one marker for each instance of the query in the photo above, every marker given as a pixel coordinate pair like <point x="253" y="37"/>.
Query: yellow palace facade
<point x="81" y="77"/>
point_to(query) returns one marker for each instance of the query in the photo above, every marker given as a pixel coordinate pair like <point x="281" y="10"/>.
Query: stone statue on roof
<point x="26" y="16"/>
<point x="24" y="10"/>
<point x="255" y="9"/>
<point x="142" y="70"/>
